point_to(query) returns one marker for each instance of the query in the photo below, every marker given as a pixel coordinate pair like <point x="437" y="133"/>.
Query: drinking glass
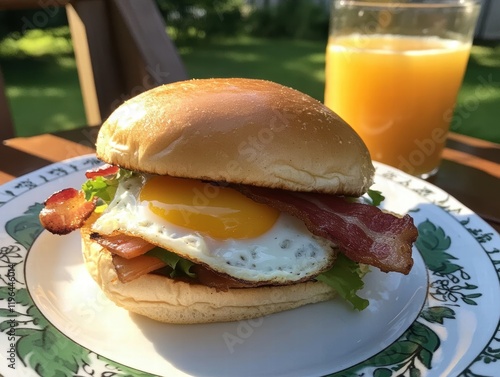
<point x="393" y="72"/>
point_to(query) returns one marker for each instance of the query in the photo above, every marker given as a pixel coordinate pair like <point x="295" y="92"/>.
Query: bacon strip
<point x="66" y="211"/>
<point x="123" y="245"/>
<point x="219" y="281"/>
<point x="364" y="233"/>
<point x="130" y="269"/>
<point x="102" y="171"/>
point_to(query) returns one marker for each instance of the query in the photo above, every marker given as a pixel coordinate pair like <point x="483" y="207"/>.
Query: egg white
<point x="286" y="253"/>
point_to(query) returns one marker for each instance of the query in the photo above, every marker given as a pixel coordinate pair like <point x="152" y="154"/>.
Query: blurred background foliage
<point x="194" y="20"/>
<point x="191" y="21"/>
<point x="283" y="41"/>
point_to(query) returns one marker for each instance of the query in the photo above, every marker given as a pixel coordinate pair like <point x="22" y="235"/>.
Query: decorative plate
<point x="441" y="320"/>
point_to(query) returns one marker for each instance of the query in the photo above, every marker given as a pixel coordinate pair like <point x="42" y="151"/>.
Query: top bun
<point x="236" y="130"/>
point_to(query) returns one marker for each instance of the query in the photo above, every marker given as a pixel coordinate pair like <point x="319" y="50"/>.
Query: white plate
<point x="441" y="319"/>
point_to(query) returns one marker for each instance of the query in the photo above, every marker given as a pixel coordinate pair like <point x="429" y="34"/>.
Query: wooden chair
<point x="121" y="49"/>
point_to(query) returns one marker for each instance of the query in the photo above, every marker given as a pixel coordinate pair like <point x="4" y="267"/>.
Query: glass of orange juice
<point x="393" y="72"/>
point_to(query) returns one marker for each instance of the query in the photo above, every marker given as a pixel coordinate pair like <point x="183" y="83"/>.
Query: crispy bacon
<point x="123" y="245"/>
<point x="221" y="282"/>
<point x="131" y="269"/>
<point x="66" y="211"/>
<point x="364" y="233"/>
<point x="102" y="171"/>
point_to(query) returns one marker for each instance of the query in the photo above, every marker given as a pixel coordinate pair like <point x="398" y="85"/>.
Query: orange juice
<point x="398" y="93"/>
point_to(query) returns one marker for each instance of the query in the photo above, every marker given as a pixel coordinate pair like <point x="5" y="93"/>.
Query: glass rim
<point x="391" y="4"/>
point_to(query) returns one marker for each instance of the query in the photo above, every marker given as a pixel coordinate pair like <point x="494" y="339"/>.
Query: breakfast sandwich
<point x="229" y="199"/>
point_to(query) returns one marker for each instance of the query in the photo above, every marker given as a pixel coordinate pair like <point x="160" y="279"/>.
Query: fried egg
<point x="216" y="226"/>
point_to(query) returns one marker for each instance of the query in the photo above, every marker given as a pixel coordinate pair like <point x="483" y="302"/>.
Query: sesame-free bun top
<point x="236" y="130"/>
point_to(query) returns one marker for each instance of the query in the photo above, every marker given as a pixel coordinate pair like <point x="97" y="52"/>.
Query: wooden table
<point x="470" y="170"/>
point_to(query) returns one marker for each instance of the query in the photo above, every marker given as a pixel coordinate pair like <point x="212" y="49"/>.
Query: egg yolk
<point x="220" y="212"/>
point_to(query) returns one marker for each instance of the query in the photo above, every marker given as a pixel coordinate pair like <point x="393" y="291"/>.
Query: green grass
<point x="299" y="64"/>
<point x="43" y="89"/>
<point x="42" y="82"/>
<point x="478" y="104"/>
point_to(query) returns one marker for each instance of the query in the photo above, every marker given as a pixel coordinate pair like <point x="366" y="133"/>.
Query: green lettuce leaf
<point x="104" y="187"/>
<point x="346" y="278"/>
<point x="375" y="196"/>
<point x="179" y="265"/>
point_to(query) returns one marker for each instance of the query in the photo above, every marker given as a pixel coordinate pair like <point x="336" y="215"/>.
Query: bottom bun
<point x="171" y="301"/>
